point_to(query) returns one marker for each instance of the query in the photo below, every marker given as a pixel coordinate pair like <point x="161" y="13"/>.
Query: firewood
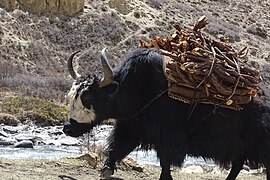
<point x="212" y="68"/>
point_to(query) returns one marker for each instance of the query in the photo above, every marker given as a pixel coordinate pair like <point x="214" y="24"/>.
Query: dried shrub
<point x="41" y="112"/>
<point x="109" y="28"/>
<point x="8" y="119"/>
<point x="154" y="3"/>
<point x="257" y="30"/>
<point x="7" y="69"/>
<point x="52" y="88"/>
<point x="222" y="29"/>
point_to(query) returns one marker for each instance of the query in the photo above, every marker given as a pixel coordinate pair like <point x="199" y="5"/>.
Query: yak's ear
<point x="111" y="88"/>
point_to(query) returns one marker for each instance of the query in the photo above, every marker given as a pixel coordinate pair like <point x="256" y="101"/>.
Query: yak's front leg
<point x="165" y="170"/>
<point x="121" y="143"/>
<point x="237" y="166"/>
<point x="165" y="163"/>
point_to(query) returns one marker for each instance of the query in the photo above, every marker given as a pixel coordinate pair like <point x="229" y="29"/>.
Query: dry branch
<point x="210" y="68"/>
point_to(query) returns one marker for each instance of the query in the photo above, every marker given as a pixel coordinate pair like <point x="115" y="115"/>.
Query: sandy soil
<point x="72" y="169"/>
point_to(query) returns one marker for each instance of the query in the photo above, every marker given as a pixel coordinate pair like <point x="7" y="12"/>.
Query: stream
<point x="52" y="143"/>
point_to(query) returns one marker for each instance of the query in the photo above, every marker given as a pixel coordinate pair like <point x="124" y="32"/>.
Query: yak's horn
<point x="71" y="70"/>
<point x="107" y="70"/>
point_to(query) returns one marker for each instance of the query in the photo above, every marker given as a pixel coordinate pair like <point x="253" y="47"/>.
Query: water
<point x="39" y="152"/>
<point x="145" y="157"/>
<point x="54" y="153"/>
<point x="57" y="151"/>
<point x="150" y="157"/>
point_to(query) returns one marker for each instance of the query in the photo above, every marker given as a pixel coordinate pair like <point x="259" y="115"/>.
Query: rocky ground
<point x="24" y="150"/>
<point x="74" y="169"/>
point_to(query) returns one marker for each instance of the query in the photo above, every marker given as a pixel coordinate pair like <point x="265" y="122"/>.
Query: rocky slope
<point x="40" y="44"/>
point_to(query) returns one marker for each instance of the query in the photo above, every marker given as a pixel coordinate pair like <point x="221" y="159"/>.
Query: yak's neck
<point x="140" y="78"/>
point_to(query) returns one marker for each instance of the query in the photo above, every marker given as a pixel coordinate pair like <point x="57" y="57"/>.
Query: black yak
<point x="134" y="93"/>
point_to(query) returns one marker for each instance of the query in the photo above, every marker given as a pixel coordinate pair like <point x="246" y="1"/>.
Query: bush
<point x="8" y="119"/>
<point x="41" y="112"/>
<point x="52" y="88"/>
<point x="7" y="69"/>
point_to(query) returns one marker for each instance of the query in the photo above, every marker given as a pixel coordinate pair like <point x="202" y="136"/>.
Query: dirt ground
<point x="74" y="169"/>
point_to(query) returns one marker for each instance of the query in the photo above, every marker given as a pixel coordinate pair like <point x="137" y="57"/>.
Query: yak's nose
<point x="67" y="128"/>
<point x="72" y="128"/>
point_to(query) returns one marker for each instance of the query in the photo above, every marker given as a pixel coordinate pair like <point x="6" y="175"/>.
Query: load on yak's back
<point x="202" y="70"/>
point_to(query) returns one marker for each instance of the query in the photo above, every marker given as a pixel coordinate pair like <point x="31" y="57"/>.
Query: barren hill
<point x="41" y="43"/>
<point x="34" y="47"/>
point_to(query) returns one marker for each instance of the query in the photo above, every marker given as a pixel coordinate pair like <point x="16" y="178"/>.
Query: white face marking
<point x="77" y="111"/>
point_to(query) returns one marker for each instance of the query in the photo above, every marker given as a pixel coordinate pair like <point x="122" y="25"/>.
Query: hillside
<point x="40" y="44"/>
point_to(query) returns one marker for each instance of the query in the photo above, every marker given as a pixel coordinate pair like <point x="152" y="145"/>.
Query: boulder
<point x="65" y="7"/>
<point x="8" y="4"/>
<point x="24" y="144"/>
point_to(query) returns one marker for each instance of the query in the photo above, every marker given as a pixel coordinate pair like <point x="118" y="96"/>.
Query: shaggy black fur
<point x="225" y="135"/>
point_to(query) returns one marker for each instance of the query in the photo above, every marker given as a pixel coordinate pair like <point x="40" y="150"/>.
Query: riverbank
<point x="53" y="156"/>
<point x="73" y="169"/>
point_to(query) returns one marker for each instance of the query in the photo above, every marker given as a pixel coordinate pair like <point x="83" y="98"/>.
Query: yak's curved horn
<point x="71" y="70"/>
<point x="107" y="70"/>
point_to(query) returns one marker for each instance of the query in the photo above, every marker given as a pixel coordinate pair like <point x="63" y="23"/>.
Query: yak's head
<point x="87" y="97"/>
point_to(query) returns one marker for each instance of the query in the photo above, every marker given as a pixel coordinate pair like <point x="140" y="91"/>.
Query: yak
<point x="135" y="94"/>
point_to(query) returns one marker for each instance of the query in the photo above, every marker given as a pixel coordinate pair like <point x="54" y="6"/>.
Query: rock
<point x="27" y="137"/>
<point x="65" y="7"/>
<point x="257" y="30"/>
<point x="192" y="169"/>
<point x="216" y="170"/>
<point x="91" y="159"/>
<point x="24" y="144"/>
<point x="4" y="141"/>
<point x="267" y="57"/>
<point x="8" y="4"/>
<point x="122" y="6"/>
<point x="15" y="129"/>
<point x="3" y="133"/>
<point x="56" y="132"/>
<point x="133" y="164"/>
<point x="10" y="129"/>
<point x="68" y="141"/>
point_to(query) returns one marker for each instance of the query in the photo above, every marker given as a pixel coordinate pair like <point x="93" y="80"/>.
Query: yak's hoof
<point x="165" y="177"/>
<point x="106" y="172"/>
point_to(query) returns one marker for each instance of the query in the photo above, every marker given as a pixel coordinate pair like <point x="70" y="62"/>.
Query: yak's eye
<point x="86" y="100"/>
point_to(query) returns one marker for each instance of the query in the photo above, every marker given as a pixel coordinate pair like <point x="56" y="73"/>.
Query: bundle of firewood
<point x="205" y="70"/>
